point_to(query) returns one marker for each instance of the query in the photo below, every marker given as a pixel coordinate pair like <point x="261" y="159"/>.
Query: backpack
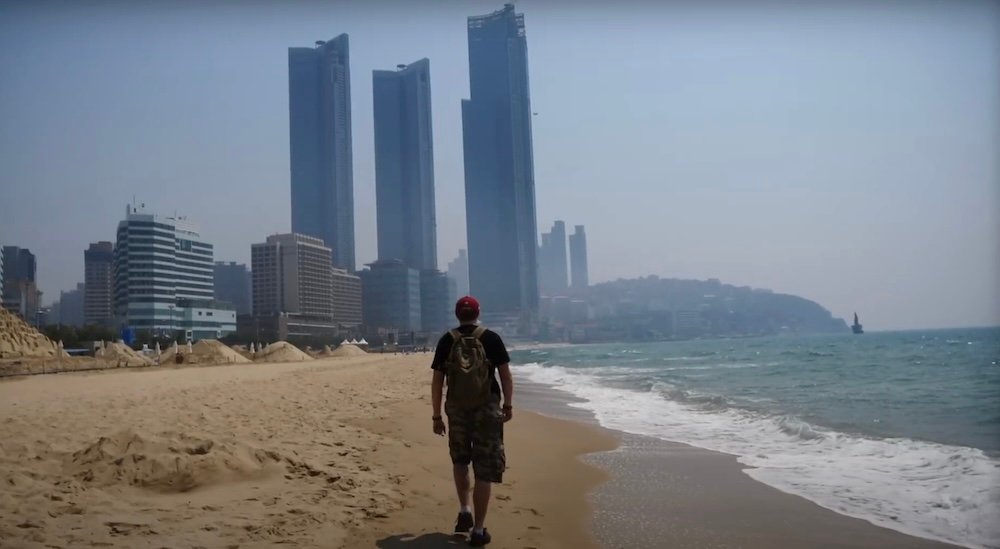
<point x="468" y="371"/>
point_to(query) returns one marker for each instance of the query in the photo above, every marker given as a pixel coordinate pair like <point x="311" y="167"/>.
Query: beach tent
<point x="362" y="342"/>
<point x="354" y="342"/>
<point x="345" y="342"/>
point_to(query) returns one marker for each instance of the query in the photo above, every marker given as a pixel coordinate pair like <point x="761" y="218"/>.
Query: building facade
<point x="98" y="261"/>
<point x="578" y="258"/>
<point x="553" y="270"/>
<point x="232" y="285"/>
<point x="72" y="308"/>
<point x="437" y="302"/>
<point x="404" y="165"/>
<point x="163" y="278"/>
<point x="20" y="290"/>
<point x="499" y="168"/>
<point x="346" y="298"/>
<point x="391" y="297"/>
<point x="291" y="274"/>
<point x="322" y="180"/>
<point x="458" y="272"/>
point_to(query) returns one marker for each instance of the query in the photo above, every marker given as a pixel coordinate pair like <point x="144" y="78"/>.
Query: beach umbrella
<point x="189" y="347"/>
<point x="158" y="348"/>
<point x="252" y="349"/>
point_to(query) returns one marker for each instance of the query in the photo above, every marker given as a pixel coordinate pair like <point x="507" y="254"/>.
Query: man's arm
<point x="437" y="386"/>
<point x="507" y="385"/>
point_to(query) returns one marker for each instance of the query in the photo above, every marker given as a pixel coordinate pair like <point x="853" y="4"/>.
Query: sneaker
<point x="463" y="523"/>
<point x="479" y="540"/>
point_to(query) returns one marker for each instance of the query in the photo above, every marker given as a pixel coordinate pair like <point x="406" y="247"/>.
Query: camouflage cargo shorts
<point x="476" y="436"/>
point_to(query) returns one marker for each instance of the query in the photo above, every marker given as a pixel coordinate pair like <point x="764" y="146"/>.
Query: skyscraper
<point x="458" y="271"/>
<point x="499" y="169"/>
<point x="319" y="110"/>
<point x="97" y="283"/>
<point x="232" y="285"/>
<point x="404" y="165"/>
<point x="578" y="258"/>
<point x="553" y="271"/>
<point x="20" y="292"/>
<point x="390" y="299"/>
<point x="163" y="278"/>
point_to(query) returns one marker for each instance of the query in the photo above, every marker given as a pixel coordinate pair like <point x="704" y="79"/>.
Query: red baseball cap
<point x="466" y="304"/>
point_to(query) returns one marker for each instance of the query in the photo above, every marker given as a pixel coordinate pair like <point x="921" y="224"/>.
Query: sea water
<point x="898" y="428"/>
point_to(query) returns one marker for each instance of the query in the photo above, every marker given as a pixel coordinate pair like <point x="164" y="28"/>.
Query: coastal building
<point x="552" y="262"/>
<point x="98" y="279"/>
<point x="346" y="299"/>
<point x="458" y="272"/>
<point x="391" y="297"/>
<point x="291" y="274"/>
<point x="232" y="285"/>
<point x="20" y="289"/>
<point x="322" y="180"/>
<point x="499" y="167"/>
<point x="437" y="301"/>
<point x="163" y="278"/>
<point x="578" y="258"/>
<point x="404" y="165"/>
<point x="71" y="308"/>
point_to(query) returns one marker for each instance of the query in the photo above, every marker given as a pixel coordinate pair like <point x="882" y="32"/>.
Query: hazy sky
<point x="842" y="151"/>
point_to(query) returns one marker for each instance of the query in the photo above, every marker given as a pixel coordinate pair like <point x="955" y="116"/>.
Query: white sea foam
<point x="936" y="491"/>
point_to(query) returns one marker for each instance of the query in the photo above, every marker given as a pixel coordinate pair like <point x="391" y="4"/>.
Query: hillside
<point x="665" y="307"/>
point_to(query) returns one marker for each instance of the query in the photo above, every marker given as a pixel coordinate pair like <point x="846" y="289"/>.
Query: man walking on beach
<point x="469" y="357"/>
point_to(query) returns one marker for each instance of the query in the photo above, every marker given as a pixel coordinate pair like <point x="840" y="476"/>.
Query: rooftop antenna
<point x="400" y="66"/>
<point x="320" y="42"/>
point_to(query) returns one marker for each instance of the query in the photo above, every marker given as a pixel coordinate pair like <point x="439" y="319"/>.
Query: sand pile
<point x="282" y="351"/>
<point x="172" y="464"/>
<point x="348" y="350"/>
<point x="122" y="355"/>
<point x="215" y="351"/>
<point x="19" y="340"/>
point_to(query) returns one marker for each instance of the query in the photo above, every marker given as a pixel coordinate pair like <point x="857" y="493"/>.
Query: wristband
<point x="436" y="418"/>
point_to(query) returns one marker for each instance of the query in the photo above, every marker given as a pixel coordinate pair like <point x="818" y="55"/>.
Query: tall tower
<point x="578" y="258"/>
<point x="499" y="169"/>
<point x="404" y="165"/>
<point x="322" y="171"/>
<point x="98" y="282"/>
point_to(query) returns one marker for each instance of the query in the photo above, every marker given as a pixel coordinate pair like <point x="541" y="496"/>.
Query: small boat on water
<point x="856" y="327"/>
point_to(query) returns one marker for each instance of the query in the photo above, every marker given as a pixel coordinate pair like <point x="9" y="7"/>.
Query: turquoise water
<point x="902" y="429"/>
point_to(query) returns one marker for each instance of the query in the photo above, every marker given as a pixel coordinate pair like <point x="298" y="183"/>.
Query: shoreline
<point x="702" y="497"/>
<point x="325" y="453"/>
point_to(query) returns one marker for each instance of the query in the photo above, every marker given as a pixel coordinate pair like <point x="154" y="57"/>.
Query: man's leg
<point x="481" y="502"/>
<point x="462" y="484"/>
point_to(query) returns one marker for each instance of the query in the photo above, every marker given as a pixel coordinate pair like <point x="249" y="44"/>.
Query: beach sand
<point x="338" y="452"/>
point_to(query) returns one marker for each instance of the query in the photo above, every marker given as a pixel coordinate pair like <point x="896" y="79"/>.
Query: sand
<point x="119" y="354"/>
<point x="19" y="340"/>
<point x="329" y="453"/>
<point x="281" y="351"/>
<point x="347" y="350"/>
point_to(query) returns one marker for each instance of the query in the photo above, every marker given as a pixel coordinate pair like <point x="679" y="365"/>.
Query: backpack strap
<point x="455" y="335"/>
<point x="479" y="331"/>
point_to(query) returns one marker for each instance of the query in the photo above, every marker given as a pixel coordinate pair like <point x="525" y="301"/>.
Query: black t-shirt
<point x="496" y="352"/>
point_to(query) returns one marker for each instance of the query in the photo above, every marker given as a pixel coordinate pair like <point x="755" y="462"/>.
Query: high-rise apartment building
<point x="163" y="278"/>
<point x="71" y="307"/>
<point x="404" y="165"/>
<point x="346" y="299"/>
<point x="458" y="271"/>
<point x="578" y="258"/>
<point x="499" y="167"/>
<point x="553" y="271"/>
<point x="98" y="281"/>
<point x="291" y="274"/>
<point x="322" y="180"/>
<point x="20" y="292"/>
<point x="391" y="296"/>
<point x="232" y="285"/>
<point x="437" y="301"/>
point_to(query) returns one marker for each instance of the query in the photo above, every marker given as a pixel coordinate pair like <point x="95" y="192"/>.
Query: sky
<point x="845" y="151"/>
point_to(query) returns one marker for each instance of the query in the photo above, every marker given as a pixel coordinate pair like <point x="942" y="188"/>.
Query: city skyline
<point x="857" y="168"/>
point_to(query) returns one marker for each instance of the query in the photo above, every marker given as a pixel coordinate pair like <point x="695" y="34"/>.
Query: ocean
<point x="899" y="428"/>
